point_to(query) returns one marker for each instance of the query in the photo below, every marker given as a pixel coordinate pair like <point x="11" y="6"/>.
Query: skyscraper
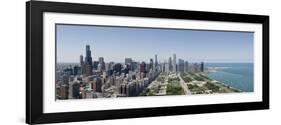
<point x="88" y="61"/>
<point x="102" y="63"/>
<point x="117" y="68"/>
<point x="181" y="65"/>
<point x="81" y="60"/>
<point x="156" y="61"/>
<point x="170" y="64"/>
<point x="186" y="66"/>
<point x="151" y="64"/>
<point x="97" y="84"/>
<point x="202" y="67"/>
<point x="196" y="67"/>
<point x="76" y="70"/>
<point x="88" y="58"/>
<point x="142" y="67"/>
<point x="82" y="65"/>
<point x="174" y="63"/>
<point x="75" y="90"/>
<point x="95" y="65"/>
<point x="101" y="60"/>
<point x="166" y="66"/>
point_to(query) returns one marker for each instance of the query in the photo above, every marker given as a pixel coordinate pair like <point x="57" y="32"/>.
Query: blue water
<point x="237" y="75"/>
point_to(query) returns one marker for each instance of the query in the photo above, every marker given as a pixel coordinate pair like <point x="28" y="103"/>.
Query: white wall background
<point x="12" y="64"/>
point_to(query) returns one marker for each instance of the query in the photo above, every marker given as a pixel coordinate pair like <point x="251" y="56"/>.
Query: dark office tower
<point x="170" y="64"/>
<point x="156" y="61"/>
<point x="88" y="61"/>
<point x="142" y="67"/>
<point x="151" y="64"/>
<point x="117" y="68"/>
<point x="186" y="66"/>
<point x="202" y="67"/>
<point x="95" y="65"/>
<point x="75" y="90"/>
<point x="134" y="65"/>
<point x="147" y="67"/>
<point x="88" y="58"/>
<point x="76" y="70"/>
<point x="181" y="65"/>
<point x="68" y="71"/>
<point x="81" y="60"/>
<point x="97" y="84"/>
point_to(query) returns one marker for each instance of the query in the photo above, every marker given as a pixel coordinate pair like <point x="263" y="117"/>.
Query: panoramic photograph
<point x="115" y="62"/>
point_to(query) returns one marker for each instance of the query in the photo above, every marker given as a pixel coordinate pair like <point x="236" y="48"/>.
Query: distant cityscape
<point x="99" y="79"/>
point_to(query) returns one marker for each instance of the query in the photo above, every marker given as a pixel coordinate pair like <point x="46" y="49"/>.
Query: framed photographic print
<point x="95" y="62"/>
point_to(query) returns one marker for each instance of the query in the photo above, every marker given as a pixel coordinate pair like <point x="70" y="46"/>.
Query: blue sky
<point x="141" y="44"/>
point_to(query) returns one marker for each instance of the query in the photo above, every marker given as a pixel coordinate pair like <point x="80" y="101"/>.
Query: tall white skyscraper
<point x="174" y="63"/>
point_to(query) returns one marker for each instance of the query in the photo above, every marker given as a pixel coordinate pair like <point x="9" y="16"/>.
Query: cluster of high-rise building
<point x="97" y="78"/>
<point x="181" y="66"/>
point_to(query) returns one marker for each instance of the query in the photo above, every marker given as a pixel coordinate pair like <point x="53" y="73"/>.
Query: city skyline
<point x="141" y="44"/>
<point x="96" y="79"/>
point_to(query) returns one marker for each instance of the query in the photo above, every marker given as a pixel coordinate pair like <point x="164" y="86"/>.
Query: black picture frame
<point x="34" y="61"/>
